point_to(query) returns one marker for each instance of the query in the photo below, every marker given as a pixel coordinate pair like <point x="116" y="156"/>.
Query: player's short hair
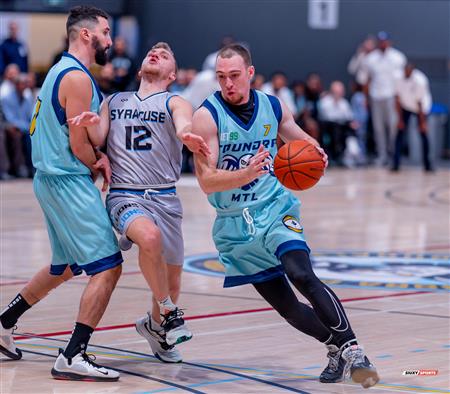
<point x="83" y="16"/>
<point x="236" y="49"/>
<point x="166" y="46"/>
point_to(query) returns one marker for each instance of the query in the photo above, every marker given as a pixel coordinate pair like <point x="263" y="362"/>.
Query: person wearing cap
<point x="413" y="99"/>
<point x="381" y="68"/>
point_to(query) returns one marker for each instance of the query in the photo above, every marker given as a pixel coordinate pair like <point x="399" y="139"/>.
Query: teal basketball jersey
<point x="238" y="143"/>
<point x="49" y="132"/>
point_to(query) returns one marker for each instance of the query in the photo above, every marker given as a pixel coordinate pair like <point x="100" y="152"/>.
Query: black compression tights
<point x="326" y="304"/>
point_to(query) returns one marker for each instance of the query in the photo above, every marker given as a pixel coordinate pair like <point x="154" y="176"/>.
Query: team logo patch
<point x="292" y="223"/>
<point x="370" y="270"/>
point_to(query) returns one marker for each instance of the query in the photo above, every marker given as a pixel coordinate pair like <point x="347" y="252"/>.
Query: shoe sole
<point x="11" y="355"/>
<point x="156" y="354"/>
<point x="183" y="338"/>
<point x="58" y="375"/>
<point x="331" y="381"/>
<point x="365" y="377"/>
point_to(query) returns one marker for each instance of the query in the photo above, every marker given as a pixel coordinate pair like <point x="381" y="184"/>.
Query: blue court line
<point x="313" y="367"/>
<point x="446" y="346"/>
<point x="205" y="383"/>
<point x="384" y="356"/>
<point x="418" y="350"/>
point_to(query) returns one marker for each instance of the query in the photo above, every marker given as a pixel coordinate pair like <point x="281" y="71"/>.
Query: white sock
<point x="166" y="305"/>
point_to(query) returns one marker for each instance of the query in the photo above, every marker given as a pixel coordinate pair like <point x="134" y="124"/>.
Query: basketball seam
<point x="305" y="174"/>
<point x="300" y="151"/>
<point x="303" y="162"/>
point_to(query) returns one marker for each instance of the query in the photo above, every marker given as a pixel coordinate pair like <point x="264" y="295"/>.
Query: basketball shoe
<point x="174" y="327"/>
<point x="157" y="341"/>
<point x="334" y="371"/>
<point x="82" y="367"/>
<point x="7" y="345"/>
<point x="359" y="367"/>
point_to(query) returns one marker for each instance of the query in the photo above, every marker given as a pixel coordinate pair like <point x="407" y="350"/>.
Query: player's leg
<point x="329" y="309"/>
<point x="144" y="233"/>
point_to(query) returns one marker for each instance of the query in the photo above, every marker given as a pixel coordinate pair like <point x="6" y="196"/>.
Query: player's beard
<point x="101" y="55"/>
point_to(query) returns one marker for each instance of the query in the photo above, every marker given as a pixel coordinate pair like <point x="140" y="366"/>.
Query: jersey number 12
<point x="137" y="138"/>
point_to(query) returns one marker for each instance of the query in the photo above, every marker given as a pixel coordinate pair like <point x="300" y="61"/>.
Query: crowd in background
<point x="359" y="126"/>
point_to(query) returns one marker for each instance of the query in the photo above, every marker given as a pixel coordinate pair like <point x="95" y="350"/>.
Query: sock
<point x="349" y="343"/>
<point x="17" y="307"/>
<point x="79" y="340"/>
<point x="166" y="305"/>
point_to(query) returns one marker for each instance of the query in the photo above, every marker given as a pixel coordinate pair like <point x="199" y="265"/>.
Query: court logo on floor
<point x="400" y="271"/>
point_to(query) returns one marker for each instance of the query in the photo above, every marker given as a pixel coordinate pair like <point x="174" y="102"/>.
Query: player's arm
<point x="288" y="130"/>
<point x="97" y="125"/>
<point x="212" y="179"/>
<point x="182" y="118"/>
<point x="75" y="93"/>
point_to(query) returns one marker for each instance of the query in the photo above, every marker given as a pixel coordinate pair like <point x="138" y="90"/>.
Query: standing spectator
<point x="380" y="69"/>
<point x="180" y="83"/>
<point x="258" y="82"/>
<point x="413" y="99"/>
<point x="336" y="119"/>
<point x="106" y="81"/>
<point x="18" y="110"/>
<point x="123" y="64"/>
<point x="7" y="86"/>
<point x="355" y="66"/>
<point x="313" y="91"/>
<point x="277" y="86"/>
<point x="210" y="60"/>
<point x="4" y="158"/>
<point x="14" y="51"/>
<point x="361" y="116"/>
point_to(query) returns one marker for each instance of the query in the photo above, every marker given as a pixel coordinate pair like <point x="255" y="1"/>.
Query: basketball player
<point x="72" y="239"/>
<point x="146" y="131"/>
<point x="257" y="230"/>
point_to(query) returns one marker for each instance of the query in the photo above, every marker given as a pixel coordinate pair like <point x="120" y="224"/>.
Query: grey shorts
<point x="164" y="209"/>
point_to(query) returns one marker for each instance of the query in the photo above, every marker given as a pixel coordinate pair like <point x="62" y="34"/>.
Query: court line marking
<point x="230" y="313"/>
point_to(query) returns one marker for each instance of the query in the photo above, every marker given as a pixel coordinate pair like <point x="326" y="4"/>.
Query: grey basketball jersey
<point x="142" y="144"/>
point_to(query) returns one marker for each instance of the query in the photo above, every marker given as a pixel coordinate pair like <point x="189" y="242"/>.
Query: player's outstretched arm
<point x="97" y="125"/>
<point x="212" y="179"/>
<point x="75" y="93"/>
<point x="182" y="119"/>
<point x="288" y="130"/>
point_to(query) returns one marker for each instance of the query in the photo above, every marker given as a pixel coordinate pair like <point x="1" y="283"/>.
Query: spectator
<point x="361" y="115"/>
<point x="313" y="91"/>
<point x="106" y="80"/>
<point x="258" y="82"/>
<point x="32" y="88"/>
<point x="124" y="69"/>
<point x="4" y="160"/>
<point x="18" y="110"/>
<point x="64" y="48"/>
<point x="413" y="99"/>
<point x="278" y="87"/>
<point x="381" y="67"/>
<point x="181" y="82"/>
<point x="11" y="73"/>
<point x="303" y="118"/>
<point x="355" y="66"/>
<point x="210" y="60"/>
<point x="336" y="120"/>
<point x="204" y="84"/>
<point x="14" y="51"/>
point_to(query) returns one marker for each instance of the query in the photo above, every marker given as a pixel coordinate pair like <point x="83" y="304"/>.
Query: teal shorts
<point x="78" y="226"/>
<point x="251" y="243"/>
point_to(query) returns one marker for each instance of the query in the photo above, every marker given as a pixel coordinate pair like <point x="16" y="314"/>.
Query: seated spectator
<point x="13" y="51"/>
<point x="123" y="64"/>
<point x="336" y="118"/>
<point x="18" y="110"/>
<point x="4" y="157"/>
<point x="313" y="91"/>
<point x="413" y="99"/>
<point x="258" y="82"/>
<point x="12" y="71"/>
<point x="277" y="86"/>
<point x="361" y="115"/>
<point x="304" y="118"/>
<point x="181" y="82"/>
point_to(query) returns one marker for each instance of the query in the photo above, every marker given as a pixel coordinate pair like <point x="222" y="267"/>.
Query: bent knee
<point x="150" y="241"/>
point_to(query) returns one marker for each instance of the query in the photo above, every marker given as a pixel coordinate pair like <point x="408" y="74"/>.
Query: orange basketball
<point x="298" y="165"/>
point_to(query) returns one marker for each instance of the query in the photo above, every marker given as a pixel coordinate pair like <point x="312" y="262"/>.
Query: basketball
<point x="298" y="165"/>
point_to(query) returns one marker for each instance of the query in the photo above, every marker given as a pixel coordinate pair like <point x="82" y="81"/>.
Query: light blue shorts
<point x="78" y="226"/>
<point x="249" y="251"/>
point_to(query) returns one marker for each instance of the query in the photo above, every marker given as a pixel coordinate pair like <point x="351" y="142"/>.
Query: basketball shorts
<point x="163" y="208"/>
<point x="78" y="226"/>
<point x="251" y="241"/>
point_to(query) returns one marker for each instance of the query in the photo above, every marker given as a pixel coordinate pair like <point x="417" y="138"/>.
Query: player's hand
<point x="259" y="164"/>
<point x="103" y="166"/>
<point x="85" y="119"/>
<point x="324" y="156"/>
<point x="196" y="144"/>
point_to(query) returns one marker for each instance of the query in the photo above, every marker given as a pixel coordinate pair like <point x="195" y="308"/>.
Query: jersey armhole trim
<point x="167" y="104"/>
<point x="212" y="110"/>
<point x="276" y="107"/>
<point x="60" y="112"/>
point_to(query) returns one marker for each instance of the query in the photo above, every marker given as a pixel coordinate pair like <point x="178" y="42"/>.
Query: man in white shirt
<point x="381" y="68"/>
<point x="277" y="86"/>
<point x="355" y="65"/>
<point x="413" y="99"/>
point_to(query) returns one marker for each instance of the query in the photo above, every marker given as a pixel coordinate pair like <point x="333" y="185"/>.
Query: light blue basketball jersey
<point x="51" y="151"/>
<point x="238" y="143"/>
